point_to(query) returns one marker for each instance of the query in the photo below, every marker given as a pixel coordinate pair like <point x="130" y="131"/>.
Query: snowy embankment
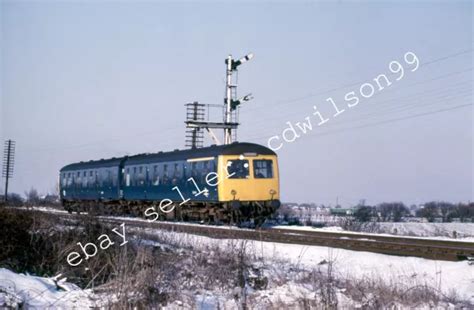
<point x="430" y="231"/>
<point x="25" y="291"/>
<point x="461" y="230"/>
<point x="289" y="275"/>
<point x="403" y="272"/>
<point x="283" y="264"/>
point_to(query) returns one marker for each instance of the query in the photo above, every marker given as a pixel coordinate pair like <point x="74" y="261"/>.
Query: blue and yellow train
<point x="227" y="183"/>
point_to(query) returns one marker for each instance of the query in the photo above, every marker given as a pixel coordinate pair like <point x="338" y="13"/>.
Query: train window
<point x="155" y="177"/>
<point x="91" y="179"/>
<point x="78" y="180"/>
<point x="165" y="177"/>
<point x="127" y="177"/>
<point x="148" y="175"/>
<point x="133" y="171"/>
<point x="205" y="167"/>
<point x="107" y="177"/>
<point x="205" y="170"/>
<point x="262" y="169"/>
<point x="238" y="169"/>
<point x="174" y="174"/>
<point x="85" y="174"/>
<point x="131" y="176"/>
<point x="141" y="177"/>
<point x="177" y="171"/>
<point x="100" y="178"/>
<point x="194" y="169"/>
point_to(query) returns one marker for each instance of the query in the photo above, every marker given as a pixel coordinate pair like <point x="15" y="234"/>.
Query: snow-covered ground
<point x="401" y="271"/>
<point x="463" y="230"/>
<point x="26" y="291"/>
<point x="43" y="209"/>
<point x="429" y="231"/>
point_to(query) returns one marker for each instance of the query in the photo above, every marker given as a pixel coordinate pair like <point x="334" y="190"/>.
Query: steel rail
<point x="425" y="248"/>
<point x="435" y="249"/>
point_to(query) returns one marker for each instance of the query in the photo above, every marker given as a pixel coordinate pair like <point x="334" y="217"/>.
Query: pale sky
<point x="83" y="81"/>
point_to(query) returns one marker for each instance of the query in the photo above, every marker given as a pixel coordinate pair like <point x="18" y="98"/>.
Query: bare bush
<point x="32" y="197"/>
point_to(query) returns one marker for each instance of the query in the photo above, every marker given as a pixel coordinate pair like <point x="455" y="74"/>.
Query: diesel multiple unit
<point x="227" y="183"/>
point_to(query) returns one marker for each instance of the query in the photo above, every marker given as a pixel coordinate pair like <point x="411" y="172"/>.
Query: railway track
<point x="401" y="246"/>
<point x="392" y="245"/>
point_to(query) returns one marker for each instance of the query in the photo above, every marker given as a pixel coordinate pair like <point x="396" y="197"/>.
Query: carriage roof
<point x="211" y="151"/>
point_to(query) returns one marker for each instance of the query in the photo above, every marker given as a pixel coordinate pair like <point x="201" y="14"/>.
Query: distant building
<point x="341" y="212"/>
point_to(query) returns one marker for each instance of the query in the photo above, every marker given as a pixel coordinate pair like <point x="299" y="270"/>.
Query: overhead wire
<point x="368" y="103"/>
<point x="386" y="121"/>
<point x="406" y="106"/>
<point x="285" y="102"/>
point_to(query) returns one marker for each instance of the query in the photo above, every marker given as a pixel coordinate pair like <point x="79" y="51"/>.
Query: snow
<point x="463" y="230"/>
<point x="44" y="209"/>
<point x="143" y="220"/>
<point x="397" y="270"/>
<point x="18" y="290"/>
<point x="432" y="231"/>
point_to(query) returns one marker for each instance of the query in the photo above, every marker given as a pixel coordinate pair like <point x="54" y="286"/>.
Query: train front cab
<point x="249" y="179"/>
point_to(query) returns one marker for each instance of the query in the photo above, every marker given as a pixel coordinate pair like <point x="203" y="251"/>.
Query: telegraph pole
<point x="8" y="162"/>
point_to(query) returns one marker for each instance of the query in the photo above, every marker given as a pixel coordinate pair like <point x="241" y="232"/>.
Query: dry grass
<point x="144" y="274"/>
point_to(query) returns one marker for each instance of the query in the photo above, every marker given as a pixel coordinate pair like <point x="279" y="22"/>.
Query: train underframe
<point x="240" y="213"/>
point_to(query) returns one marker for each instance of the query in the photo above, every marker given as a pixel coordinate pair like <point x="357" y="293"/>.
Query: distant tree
<point x="399" y="210"/>
<point x="429" y="211"/>
<point x="453" y="213"/>
<point x="286" y="212"/>
<point x="15" y="199"/>
<point x="364" y="213"/>
<point x="32" y="197"/>
<point x="392" y="211"/>
<point x="465" y="211"/>
<point x="445" y="208"/>
<point x="49" y="200"/>
<point x="383" y="211"/>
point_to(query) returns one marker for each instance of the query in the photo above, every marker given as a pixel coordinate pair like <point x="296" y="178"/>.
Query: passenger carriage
<point x="227" y="183"/>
